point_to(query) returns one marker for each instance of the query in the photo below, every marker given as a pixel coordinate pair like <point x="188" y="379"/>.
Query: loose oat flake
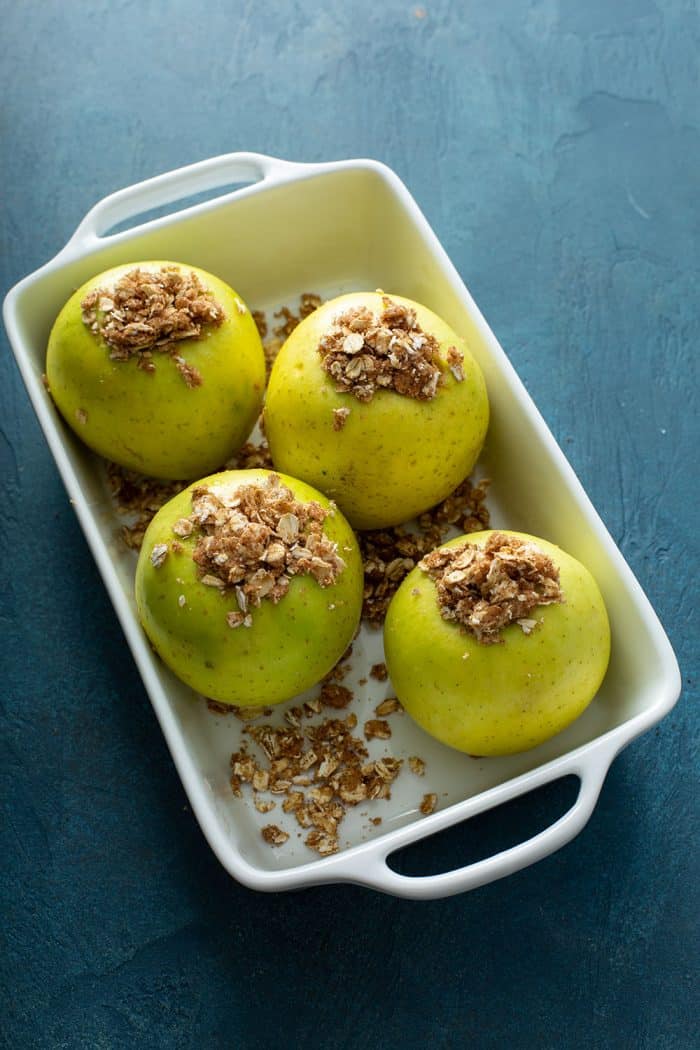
<point x="252" y="541"/>
<point x="274" y="836"/>
<point x="377" y="729"/>
<point x="428" y="804"/>
<point x="364" y="353"/>
<point x="152" y="311"/>
<point x="388" y="707"/>
<point x="416" y="765"/>
<point x="484" y="589"/>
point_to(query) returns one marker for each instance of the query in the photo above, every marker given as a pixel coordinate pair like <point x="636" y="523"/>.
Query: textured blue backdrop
<point x="555" y="147"/>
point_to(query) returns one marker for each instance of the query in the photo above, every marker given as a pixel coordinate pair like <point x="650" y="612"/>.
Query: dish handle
<point x="370" y="867"/>
<point x="172" y="186"/>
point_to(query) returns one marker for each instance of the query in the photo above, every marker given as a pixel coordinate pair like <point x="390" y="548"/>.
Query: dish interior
<point x="338" y="231"/>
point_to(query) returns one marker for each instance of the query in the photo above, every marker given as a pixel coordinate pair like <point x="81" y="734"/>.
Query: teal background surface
<point x="555" y="148"/>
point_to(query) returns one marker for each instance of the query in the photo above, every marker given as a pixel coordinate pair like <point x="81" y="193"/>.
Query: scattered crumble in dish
<point x="377" y="729"/>
<point x="428" y="804"/>
<point x="273" y="835"/>
<point x="321" y="769"/>
<point x="416" y="765"/>
<point x="379" y="672"/>
<point x="388" y="707"/>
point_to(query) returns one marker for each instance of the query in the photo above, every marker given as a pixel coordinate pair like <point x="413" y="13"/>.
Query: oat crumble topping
<point x="484" y="589"/>
<point x="455" y="360"/>
<point x="389" y="555"/>
<point x="379" y="672"/>
<point x="159" y="554"/>
<point x="251" y="543"/>
<point x="147" y="311"/>
<point x="363" y="353"/>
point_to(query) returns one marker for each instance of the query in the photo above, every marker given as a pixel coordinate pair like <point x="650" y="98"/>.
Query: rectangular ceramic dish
<point x="329" y="228"/>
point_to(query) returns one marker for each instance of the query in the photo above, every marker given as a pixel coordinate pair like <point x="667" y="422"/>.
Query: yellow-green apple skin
<point x="395" y="456"/>
<point x="502" y="698"/>
<point x="154" y="423"/>
<point x="288" y="648"/>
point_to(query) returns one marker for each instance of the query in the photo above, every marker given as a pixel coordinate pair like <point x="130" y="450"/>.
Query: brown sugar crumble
<point x="484" y="589"/>
<point x="379" y="672"/>
<point x="152" y="311"/>
<point x="252" y="542"/>
<point x="389" y="555"/>
<point x="363" y="353"/>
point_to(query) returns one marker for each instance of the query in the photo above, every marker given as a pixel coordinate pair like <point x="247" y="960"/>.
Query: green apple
<point x="154" y="422"/>
<point x="501" y="698"/>
<point x="288" y="647"/>
<point x="395" y="456"/>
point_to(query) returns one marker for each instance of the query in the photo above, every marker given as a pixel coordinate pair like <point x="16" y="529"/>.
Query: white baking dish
<point x="329" y="228"/>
